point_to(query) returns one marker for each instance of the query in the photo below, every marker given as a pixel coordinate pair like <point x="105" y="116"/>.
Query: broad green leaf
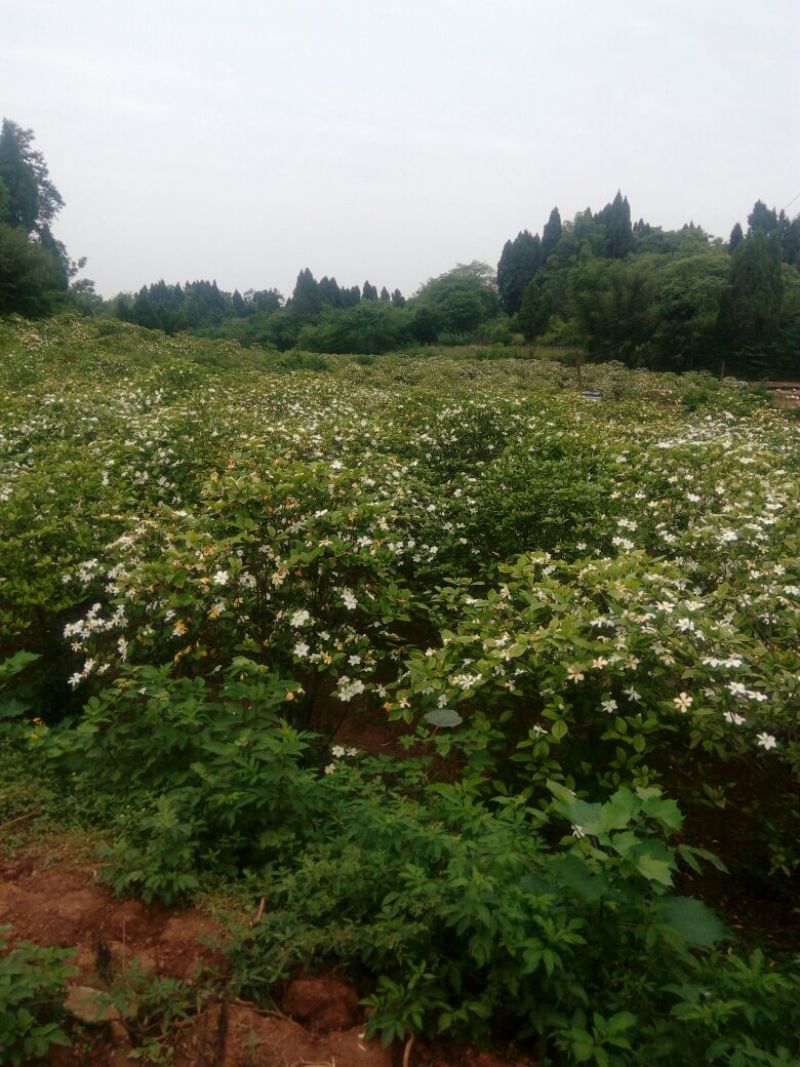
<point x="692" y="918"/>
<point x="443" y="717"/>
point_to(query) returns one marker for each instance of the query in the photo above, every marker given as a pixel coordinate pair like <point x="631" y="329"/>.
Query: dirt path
<point x="126" y="949"/>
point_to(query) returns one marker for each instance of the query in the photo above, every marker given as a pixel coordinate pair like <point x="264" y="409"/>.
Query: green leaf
<point x="663" y="811"/>
<point x="11" y="708"/>
<point x="443" y="717"/>
<point x="693" y="919"/>
<point x="14" y="664"/>
<point x="559" y="730"/>
<point x="654" y="863"/>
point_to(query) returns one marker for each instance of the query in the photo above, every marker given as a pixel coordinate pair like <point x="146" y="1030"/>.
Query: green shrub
<point x="32" y="981"/>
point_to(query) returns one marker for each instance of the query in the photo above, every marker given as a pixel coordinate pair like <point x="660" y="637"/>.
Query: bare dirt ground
<point x="51" y="896"/>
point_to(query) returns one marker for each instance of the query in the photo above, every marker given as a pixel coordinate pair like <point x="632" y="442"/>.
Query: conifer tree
<point x="616" y="218"/>
<point x="519" y="261"/>
<point x="750" y="312"/>
<point x="551" y="234"/>
<point x="306" y="300"/>
<point x="762" y="220"/>
<point x="329" y="292"/>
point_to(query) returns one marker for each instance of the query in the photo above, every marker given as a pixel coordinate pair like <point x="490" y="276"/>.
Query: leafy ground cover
<point x="572" y="627"/>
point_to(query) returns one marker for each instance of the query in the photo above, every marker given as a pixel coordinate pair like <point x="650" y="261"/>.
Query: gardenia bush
<point x="578" y="620"/>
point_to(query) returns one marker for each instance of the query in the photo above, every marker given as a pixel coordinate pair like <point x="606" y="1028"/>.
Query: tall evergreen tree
<point x="369" y="292"/>
<point x="736" y="238"/>
<point x="238" y="305"/>
<point x="398" y="300"/>
<point x="329" y="292"/>
<point x="519" y="261"/>
<point x="616" y="218"/>
<point x="762" y="219"/>
<point x="306" y="300"/>
<point x="751" y="308"/>
<point x="790" y="239"/>
<point x="551" y="234"/>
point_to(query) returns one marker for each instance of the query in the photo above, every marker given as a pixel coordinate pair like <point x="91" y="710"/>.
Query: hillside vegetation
<point x="598" y="285"/>
<point x="490" y="690"/>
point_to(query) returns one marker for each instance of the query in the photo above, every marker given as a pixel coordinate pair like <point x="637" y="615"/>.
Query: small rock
<point x="322" y="1003"/>
<point x="89" y="1005"/>
<point x="118" y="1035"/>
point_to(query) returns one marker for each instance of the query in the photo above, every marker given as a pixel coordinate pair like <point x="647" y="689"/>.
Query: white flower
<point x="766" y="740"/>
<point x="299" y="618"/>
<point x="347" y="688"/>
<point x="466" y="681"/>
<point x="575" y="674"/>
<point x="578" y="832"/>
<point x="301" y="649"/>
<point x="609" y="705"/>
<point x="683" y="702"/>
<point x="732" y="718"/>
<point x="349" y="599"/>
<point x="220" y="577"/>
<point x="634" y="694"/>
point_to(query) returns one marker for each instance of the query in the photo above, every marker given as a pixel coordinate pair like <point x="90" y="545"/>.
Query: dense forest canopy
<point x="598" y="283"/>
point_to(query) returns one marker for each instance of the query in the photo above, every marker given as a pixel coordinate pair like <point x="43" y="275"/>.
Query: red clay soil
<point x="57" y="900"/>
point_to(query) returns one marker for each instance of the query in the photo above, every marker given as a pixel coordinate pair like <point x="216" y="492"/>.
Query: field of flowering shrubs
<point x="572" y="624"/>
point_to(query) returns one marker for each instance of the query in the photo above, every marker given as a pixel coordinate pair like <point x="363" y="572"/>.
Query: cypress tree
<point x="306" y="299"/>
<point x="329" y="292"/>
<point x="519" y="261"/>
<point x="762" y="220"/>
<point x="551" y="234"/>
<point x="616" y="218"/>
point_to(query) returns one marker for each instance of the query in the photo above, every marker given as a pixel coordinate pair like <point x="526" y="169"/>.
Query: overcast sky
<point x="245" y="140"/>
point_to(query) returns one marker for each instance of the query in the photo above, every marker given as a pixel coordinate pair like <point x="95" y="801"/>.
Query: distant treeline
<point x="668" y="299"/>
<point x="613" y="289"/>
